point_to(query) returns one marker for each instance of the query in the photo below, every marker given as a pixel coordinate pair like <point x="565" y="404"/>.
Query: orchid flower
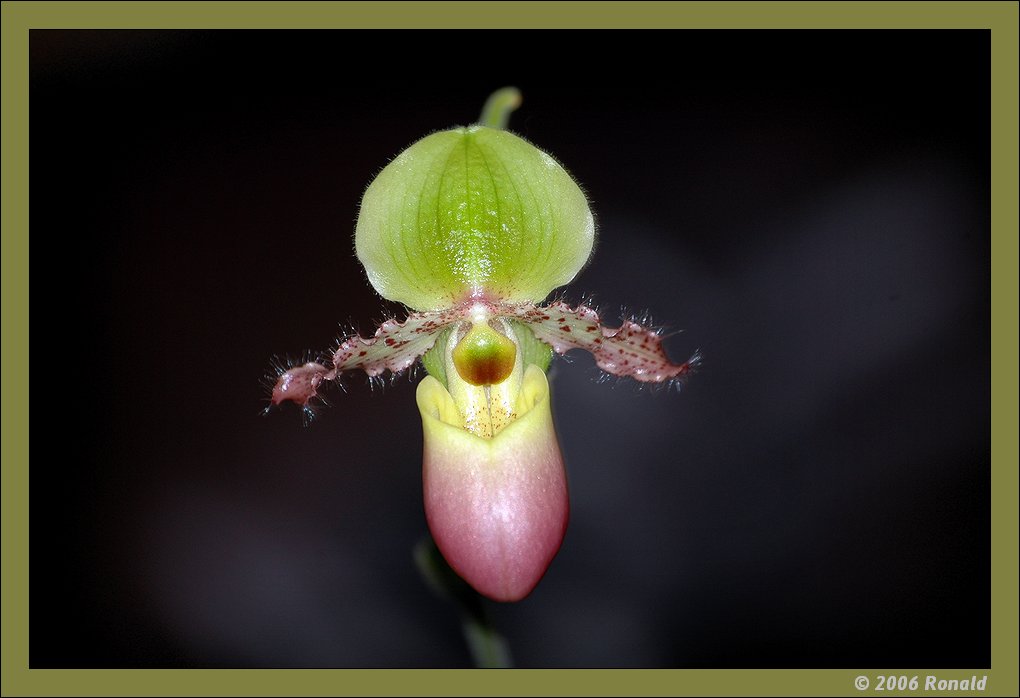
<point x="471" y="229"/>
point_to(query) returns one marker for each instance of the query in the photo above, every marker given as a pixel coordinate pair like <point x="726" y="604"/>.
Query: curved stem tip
<point x="499" y="106"/>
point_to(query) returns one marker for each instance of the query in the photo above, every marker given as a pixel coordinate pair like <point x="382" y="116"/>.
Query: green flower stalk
<point x="471" y="229"/>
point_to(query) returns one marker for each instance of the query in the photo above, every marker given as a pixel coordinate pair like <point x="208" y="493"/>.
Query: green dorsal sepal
<point x="472" y="213"/>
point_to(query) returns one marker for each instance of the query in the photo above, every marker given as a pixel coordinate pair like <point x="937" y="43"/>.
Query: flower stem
<point x="498" y="107"/>
<point x="489" y="649"/>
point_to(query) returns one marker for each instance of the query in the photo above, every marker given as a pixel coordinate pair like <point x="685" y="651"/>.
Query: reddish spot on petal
<point x="298" y="384"/>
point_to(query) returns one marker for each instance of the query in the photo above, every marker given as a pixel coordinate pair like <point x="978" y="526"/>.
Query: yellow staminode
<point x="484" y="356"/>
<point x="485" y="406"/>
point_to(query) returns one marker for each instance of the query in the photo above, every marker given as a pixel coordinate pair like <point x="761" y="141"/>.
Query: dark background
<point x="811" y="208"/>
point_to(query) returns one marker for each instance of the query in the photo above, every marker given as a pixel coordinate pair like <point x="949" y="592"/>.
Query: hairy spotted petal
<point x="629" y="350"/>
<point x="394" y="347"/>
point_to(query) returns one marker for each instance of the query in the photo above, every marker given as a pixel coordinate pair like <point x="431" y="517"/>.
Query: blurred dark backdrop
<point x="811" y="208"/>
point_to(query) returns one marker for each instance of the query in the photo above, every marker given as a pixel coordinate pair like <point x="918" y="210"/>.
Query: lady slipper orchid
<point x="471" y="228"/>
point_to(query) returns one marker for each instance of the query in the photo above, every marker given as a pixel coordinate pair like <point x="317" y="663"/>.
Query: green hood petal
<point x="472" y="213"/>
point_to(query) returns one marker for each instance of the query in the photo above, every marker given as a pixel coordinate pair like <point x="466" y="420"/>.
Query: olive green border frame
<point x="1001" y="18"/>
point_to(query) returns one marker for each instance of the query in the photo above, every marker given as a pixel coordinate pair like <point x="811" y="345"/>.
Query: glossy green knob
<point x="484" y="356"/>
